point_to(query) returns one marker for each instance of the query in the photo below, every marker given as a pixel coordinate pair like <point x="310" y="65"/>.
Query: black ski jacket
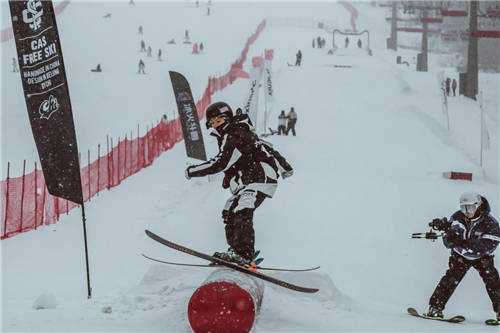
<point x="242" y="156"/>
<point x="480" y="236"/>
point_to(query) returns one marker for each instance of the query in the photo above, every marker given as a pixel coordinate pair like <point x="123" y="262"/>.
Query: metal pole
<point x="89" y="289"/>
<point x="447" y="114"/>
<point x="98" y="168"/>
<point x="125" y="158"/>
<point x="112" y="165"/>
<point x="108" y="155"/>
<point x="265" y="105"/>
<point x="482" y="135"/>
<point x="36" y="199"/>
<point x="22" y="196"/>
<point x="394" y="36"/>
<point x="6" y="201"/>
<point x="471" y="86"/>
<point x="119" y="171"/>
<point x="88" y="172"/>
<point x="425" y="26"/>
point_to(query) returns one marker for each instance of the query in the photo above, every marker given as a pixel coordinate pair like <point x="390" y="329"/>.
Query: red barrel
<point x="225" y="303"/>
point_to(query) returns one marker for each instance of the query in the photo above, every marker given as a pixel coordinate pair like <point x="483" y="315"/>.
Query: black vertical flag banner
<point x="47" y="97"/>
<point x="193" y="138"/>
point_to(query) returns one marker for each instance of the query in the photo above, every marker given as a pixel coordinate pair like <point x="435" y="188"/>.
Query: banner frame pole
<point x="482" y="129"/>
<point x="84" y="219"/>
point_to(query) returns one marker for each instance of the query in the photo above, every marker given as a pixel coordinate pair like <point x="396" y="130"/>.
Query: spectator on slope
<point x="14" y="65"/>
<point x="346" y="42"/>
<point x="448" y="81"/>
<point x="454" y="86"/>
<point x="140" y="30"/>
<point x="298" y="58"/>
<point x="195" y="48"/>
<point x="314" y="43"/>
<point x="359" y="43"/>
<point x="472" y="235"/>
<point x="159" y="55"/>
<point x="142" y="67"/>
<point x="201" y="47"/>
<point x="282" y="120"/>
<point x="292" y="120"/>
<point x="242" y="117"/>
<point x="150" y="51"/>
<point x="252" y="177"/>
<point x="165" y="133"/>
<point x="143" y="46"/>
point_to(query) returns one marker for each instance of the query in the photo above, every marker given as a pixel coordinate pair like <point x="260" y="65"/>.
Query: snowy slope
<point x="368" y="157"/>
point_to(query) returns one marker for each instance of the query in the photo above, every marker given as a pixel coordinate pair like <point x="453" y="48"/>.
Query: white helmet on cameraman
<point x="470" y="202"/>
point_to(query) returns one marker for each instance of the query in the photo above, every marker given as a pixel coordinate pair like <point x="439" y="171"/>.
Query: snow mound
<point x="46" y="301"/>
<point x="164" y="292"/>
<point x="162" y="296"/>
<point x="283" y="308"/>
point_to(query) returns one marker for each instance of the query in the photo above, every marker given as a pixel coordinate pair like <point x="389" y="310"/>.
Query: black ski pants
<point x="238" y="217"/>
<point x="281" y="129"/>
<point x="458" y="267"/>
<point x="291" y="126"/>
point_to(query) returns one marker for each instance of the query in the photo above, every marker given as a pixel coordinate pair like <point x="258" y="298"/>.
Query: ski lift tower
<point x="425" y="8"/>
<point x="483" y="24"/>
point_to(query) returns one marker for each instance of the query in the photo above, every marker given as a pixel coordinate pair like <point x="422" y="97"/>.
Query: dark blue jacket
<point x="480" y="236"/>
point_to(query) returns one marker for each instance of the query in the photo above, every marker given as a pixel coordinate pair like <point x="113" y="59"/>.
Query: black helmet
<point x="219" y="109"/>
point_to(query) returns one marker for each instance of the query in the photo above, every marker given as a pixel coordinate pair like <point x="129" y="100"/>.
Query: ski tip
<point x="412" y="311"/>
<point x="492" y="322"/>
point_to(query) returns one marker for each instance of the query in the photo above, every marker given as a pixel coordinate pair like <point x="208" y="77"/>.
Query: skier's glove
<point x="286" y="174"/>
<point x="226" y="181"/>
<point x="440" y="224"/>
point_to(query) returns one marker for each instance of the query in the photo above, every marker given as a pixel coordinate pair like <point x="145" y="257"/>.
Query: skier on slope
<point x="250" y="168"/>
<point x="473" y="235"/>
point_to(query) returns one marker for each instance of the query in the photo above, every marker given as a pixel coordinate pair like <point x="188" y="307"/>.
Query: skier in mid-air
<point x="472" y="234"/>
<point x="250" y="168"/>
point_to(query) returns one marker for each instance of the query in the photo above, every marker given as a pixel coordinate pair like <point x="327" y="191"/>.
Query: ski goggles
<point x="469" y="209"/>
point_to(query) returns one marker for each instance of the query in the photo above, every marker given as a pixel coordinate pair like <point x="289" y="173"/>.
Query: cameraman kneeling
<point x="472" y="236"/>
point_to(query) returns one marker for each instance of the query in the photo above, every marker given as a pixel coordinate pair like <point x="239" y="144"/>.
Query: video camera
<point x="440" y="224"/>
<point x="436" y="224"/>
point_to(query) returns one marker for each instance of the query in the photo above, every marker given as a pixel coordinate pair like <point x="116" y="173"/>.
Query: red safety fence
<point x="25" y="202"/>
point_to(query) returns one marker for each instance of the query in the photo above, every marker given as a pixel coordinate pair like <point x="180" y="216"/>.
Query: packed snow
<point x="371" y="146"/>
